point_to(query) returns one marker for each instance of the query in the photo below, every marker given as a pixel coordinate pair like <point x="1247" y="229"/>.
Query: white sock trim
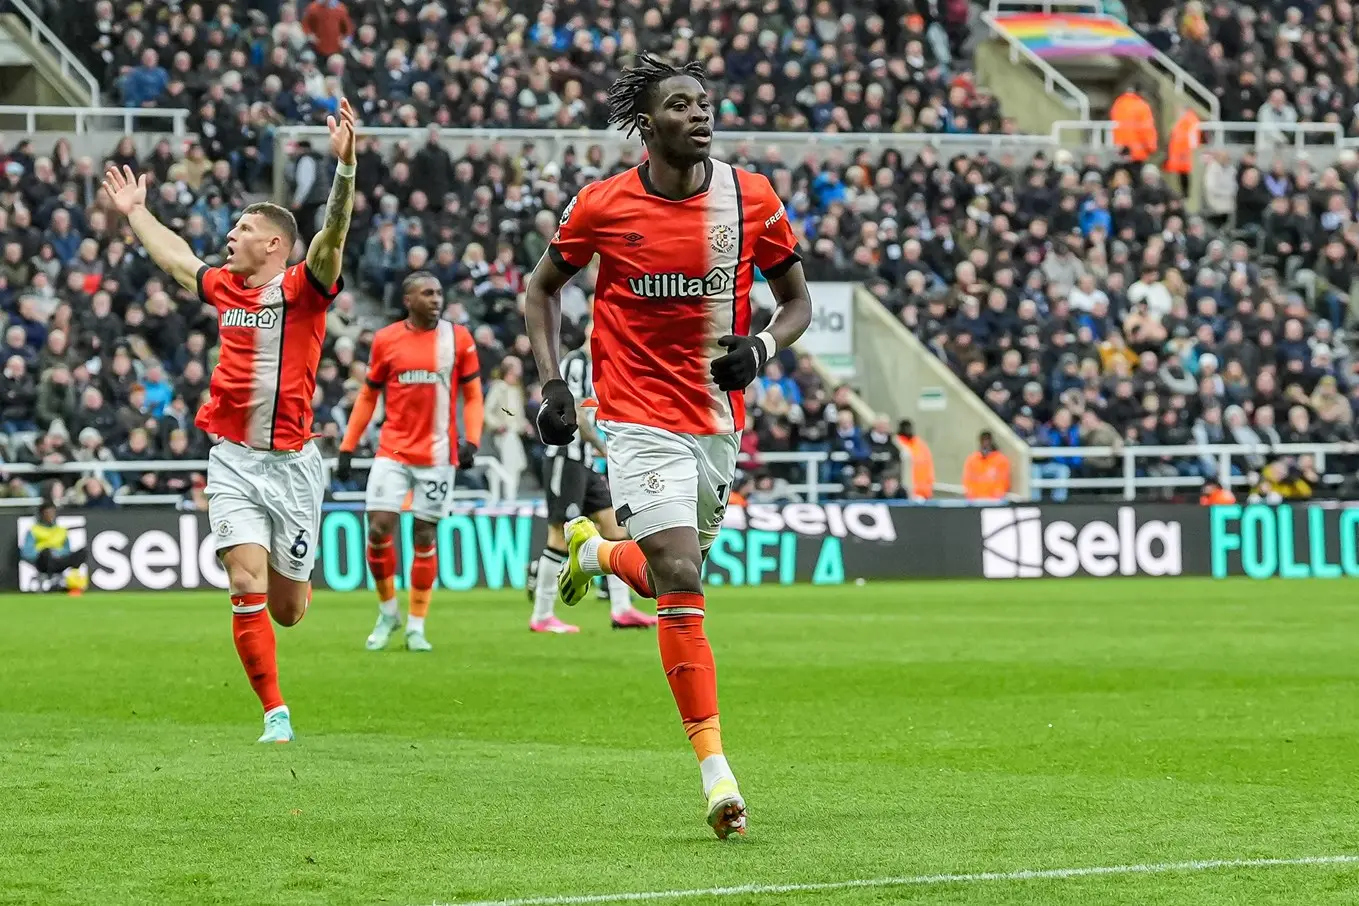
<point x="389" y="608"/>
<point x="281" y="709"/>
<point x="714" y="768"/>
<point x="248" y="608"/>
<point x="664" y="612"/>
<point x="414" y="624"/>
<point x="589" y="556"/>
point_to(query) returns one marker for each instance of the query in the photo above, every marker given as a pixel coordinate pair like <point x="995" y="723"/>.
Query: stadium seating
<point x="1079" y="299"/>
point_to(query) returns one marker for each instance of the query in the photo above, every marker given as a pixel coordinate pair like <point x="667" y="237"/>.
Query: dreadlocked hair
<point x="628" y="95"/>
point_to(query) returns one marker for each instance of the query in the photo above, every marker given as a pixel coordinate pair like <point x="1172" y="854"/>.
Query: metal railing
<point x="1099" y="134"/>
<point x="85" y="120"/>
<point x="496" y="477"/>
<point x="1129" y="482"/>
<point x="1052" y="79"/>
<point x="1298" y="132"/>
<point x="68" y="62"/>
<point x="551" y="142"/>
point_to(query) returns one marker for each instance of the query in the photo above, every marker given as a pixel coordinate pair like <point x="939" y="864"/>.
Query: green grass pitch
<point x="884" y="731"/>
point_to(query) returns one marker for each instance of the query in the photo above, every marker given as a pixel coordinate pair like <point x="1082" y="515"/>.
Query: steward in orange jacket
<point x="922" y="460"/>
<point x="1134" y="125"/>
<point x="1184" y="140"/>
<point x="986" y="472"/>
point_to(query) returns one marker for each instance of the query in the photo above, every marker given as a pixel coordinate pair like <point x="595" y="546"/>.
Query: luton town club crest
<point x="722" y="238"/>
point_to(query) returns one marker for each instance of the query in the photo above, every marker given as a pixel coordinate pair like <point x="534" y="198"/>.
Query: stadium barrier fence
<point x="1131" y="477"/>
<point x="151" y="549"/>
<point x="811" y="487"/>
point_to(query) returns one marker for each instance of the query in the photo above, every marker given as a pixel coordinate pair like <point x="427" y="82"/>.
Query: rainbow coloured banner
<point x="1058" y="35"/>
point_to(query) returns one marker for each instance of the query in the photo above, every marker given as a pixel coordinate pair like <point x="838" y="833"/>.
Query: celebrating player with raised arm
<point x="265" y="476"/>
<point x="413" y="367"/>
<point x="678" y="239"/>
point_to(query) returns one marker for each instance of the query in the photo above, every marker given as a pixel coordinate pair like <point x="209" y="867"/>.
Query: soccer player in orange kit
<point x="678" y="238"/>
<point x="266" y="478"/>
<point x="413" y="367"/>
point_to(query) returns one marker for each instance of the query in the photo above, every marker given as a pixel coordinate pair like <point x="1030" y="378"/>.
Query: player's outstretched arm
<point x="170" y="252"/>
<point x="326" y="253"/>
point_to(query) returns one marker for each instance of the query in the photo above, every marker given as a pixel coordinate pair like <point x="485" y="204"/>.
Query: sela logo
<point x="1018" y="544"/>
<point x="264" y="319"/>
<point x="718" y="282"/>
<point x="421" y="376"/>
<point x="149" y="559"/>
<point x="866" y="521"/>
<point x="774" y="218"/>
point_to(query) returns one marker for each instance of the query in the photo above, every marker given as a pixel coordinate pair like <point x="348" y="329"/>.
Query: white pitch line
<point x="1046" y="874"/>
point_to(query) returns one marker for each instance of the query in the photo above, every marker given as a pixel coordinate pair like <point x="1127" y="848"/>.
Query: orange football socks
<point x="688" y="662"/>
<point x="382" y="564"/>
<point x="424" y="570"/>
<point x="625" y="560"/>
<point x="254" y="636"/>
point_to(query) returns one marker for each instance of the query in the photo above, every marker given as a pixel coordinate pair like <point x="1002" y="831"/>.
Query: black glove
<point x="467" y="454"/>
<point x="557" y="414"/>
<point x="343" y="466"/>
<point x="741" y="364"/>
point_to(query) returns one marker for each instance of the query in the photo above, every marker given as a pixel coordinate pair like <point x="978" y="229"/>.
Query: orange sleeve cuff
<point x="364" y="407"/>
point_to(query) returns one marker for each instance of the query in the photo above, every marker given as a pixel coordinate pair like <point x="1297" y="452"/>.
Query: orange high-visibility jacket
<point x="986" y="477"/>
<point x="922" y="466"/>
<point x="1134" y="125"/>
<point x="1220" y="496"/>
<point x="1184" y="139"/>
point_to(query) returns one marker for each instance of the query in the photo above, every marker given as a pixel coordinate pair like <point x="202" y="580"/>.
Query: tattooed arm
<point x="326" y="253"/>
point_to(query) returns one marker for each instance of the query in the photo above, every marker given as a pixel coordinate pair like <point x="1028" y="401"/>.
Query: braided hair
<point x="628" y="95"/>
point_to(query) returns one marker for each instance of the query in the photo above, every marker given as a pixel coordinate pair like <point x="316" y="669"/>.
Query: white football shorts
<point x="662" y="480"/>
<point x="389" y="481"/>
<point x="268" y="498"/>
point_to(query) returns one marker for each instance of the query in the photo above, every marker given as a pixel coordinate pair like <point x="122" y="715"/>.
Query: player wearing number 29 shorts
<point x="414" y="366"/>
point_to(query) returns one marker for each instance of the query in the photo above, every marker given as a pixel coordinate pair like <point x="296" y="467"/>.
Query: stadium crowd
<point x="1271" y="63"/>
<point x="787" y="65"/>
<point x="1078" y="298"/>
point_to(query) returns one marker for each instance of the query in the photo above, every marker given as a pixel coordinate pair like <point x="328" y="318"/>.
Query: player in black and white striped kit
<point x="574" y="489"/>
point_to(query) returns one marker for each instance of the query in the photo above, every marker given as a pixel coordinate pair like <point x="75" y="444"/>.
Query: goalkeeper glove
<point x="467" y="454"/>
<point x="743" y="361"/>
<point x="557" y="414"/>
<point x="343" y="466"/>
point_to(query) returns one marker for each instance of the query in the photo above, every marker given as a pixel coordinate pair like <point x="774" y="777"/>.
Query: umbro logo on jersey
<point x="681" y="286"/>
<point x="420" y="376"/>
<point x="633" y="239"/>
<point x="264" y="319"/>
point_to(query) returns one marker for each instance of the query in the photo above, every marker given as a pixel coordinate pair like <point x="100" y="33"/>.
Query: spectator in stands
<point x="1060" y="432"/>
<point x="507" y="421"/>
